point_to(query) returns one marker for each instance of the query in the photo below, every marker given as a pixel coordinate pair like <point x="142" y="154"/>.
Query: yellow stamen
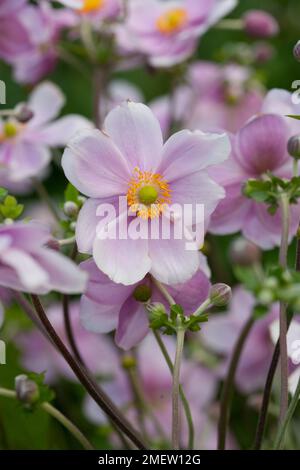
<point x="91" y="5"/>
<point x="172" y="21"/>
<point x="139" y="185"/>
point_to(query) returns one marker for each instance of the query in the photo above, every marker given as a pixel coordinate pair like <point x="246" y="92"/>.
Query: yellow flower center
<point x="172" y="20"/>
<point x="9" y="131"/>
<point x="91" y="5"/>
<point x="148" y="194"/>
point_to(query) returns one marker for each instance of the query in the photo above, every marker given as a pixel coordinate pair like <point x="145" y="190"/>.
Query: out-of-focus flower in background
<point x="25" y="146"/>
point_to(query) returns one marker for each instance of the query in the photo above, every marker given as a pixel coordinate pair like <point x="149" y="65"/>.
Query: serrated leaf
<point x="175" y="311"/>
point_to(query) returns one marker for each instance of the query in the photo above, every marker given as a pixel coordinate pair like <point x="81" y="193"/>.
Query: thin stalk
<point x="228" y="385"/>
<point x="138" y="399"/>
<point x="261" y="425"/>
<point x="55" y="413"/>
<point x="164" y="292"/>
<point x="69" y="330"/>
<point x="295" y="168"/>
<point x="185" y="403"/>
<point x="83" y="376"/>
<point x="230" y="24"/>
<point x="285" y="211"/>
<point x="44" y="196"/>
<point x="279" y="441"/>
<point x="175" y="388"/>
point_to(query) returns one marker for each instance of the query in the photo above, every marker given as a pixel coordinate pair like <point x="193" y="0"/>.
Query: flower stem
<point x="285" y="211"/>
<point x="228" y="385"/>
<point x="270" y="377"/>
<point x="230" y="24"/>
<point x="55" y="413"/>
<point x="81" y="373"/>
<point x="183" y="398"/>
<point x="279" y="441"/>
<point x="44" y="196"/>
<point x="164" y="292"/>
<point x="175" y="388"/>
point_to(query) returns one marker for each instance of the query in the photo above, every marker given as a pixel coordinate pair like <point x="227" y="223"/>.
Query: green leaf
<point x="176" y="311"/>
<point x="3" y="193"/>
<point x="293" y="116"/>
<point x="71" y="193"/>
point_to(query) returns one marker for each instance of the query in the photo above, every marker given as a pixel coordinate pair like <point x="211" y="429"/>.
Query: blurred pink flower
<point x="259" y="146"/>
<point x="222" y="331"/>
<point x="41" y="54"/>
<point x="123" y="160"/>
<point x="25" y="147"/>
<point x="167" y="32"/>
<point x="13" y="38"/>
<point x="38" y="354"/>
<point x="107" y="306"/>
<point x="156" y="383"/>
<point x="260" y="24"/>
<point x="28" y="265"/>
<point x="95" y="9"/>
<point x="215" y="97"/>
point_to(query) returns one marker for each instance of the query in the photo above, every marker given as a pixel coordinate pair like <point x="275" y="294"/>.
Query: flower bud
<point x="244" y="253"/>
<point x="128" y="362"/>
<point x="53" y="244"/>
<point x="294" y="147"/>
<point x="297" y="51"/>
<point x="220" y="295"/>
<point x="26" y="389"/>
<point x="263" y="52"/>
<point x="260" y="24"/>
<point x="142" y="293"/>
<point x="23" y="114"/>
<point x="71" y="209"/>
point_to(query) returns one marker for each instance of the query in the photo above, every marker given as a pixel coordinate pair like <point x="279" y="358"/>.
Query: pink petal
<point x="46" y="102"/>
<point x="95" y="166"/>
<point x="60" y="132"/>
<point x="124" y="261"/>
<point x="188" y="152"/>
<point x="133" y="324"/>
<point x="27" y="160"/>
<point x="137" y="133"/>
<point x="96" y="317"/>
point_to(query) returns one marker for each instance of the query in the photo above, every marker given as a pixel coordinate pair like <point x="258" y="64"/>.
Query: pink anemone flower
<point x="129" y="160"/>
<point x="25" y="147"/>
<point x="27" y="264"/>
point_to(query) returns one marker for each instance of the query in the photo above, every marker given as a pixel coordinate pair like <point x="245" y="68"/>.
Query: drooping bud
<point x="220" y="294"/>
<point x="260" y="24"/>
<point x="244" y="253"/>
<point x="71" y="209"/>
<point x="142" y="293"/>
<point x="23" y="113"/>
<point x="294" y="147"/>
<point x="27" y="390"/>
<point x="297" y="51"/>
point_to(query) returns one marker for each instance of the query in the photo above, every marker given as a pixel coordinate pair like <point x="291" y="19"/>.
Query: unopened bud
<point x="142" y="293"/>
<point x="263" y="52"/>
<point x="297" y="51"/>
<point x="260" y="24"/>
<point x="220" y="295"/>
<point x="23" y="114"/>
<point x="27" y="390"/>
<point x="53" y="244"/>
<point x="244" y="253"/>
<point x="128" y="362"/>
<point x="71" y="209"/>
<point x="294" y="147"/>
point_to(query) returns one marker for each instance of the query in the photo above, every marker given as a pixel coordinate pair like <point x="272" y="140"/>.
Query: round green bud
<point x="27" y="390"/>
<point x="71" y="209"/>
<point x="148" y="195"/>
<point x="220" y="295"/>
<point x="142" y="293"/>
<point x="294" y="147"/>
<point x="128" y="362"/>
<point x="10" y="129"/>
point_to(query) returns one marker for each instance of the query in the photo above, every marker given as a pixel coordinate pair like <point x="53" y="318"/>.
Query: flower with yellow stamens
<point x="91" y="5"/>
<point x="172" y="21"/>
<point x="148" y="194"/>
